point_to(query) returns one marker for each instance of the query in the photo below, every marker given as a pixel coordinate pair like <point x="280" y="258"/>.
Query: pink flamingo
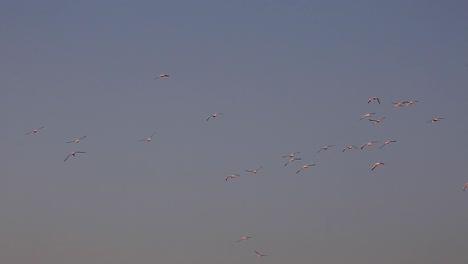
<point x="373" y="99"/>
<point x="35" y="130"/>
<point x="367" y="115"/>
<point x="376" y="121"/>
<point x="387" y="142"/>
<point x="232" y="176"/>
<point x="304" y="167"/>
<point x="76" y="140"/>
<point x="214" y="115"/>
<point x="243" y="238"/>
<point x="376" y="165"/>
<point x="162" y="76"/>
<point x="325" y="148"/>
<point x="148" y="139"/>
<point x="73" y="154"/>
<point x="437" y="119"/>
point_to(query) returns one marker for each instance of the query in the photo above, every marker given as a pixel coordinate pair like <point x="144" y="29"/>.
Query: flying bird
<point x="400" y="104"/>
<point x="325" y="148"/>
<point x="376" y="121"/>
<point x="376" y="165"/>
<point x="373" y="99"/>
<point x="305" y="167"/>
<point x="148" y="139"/>
<point x="368" y="144"/>
<point x="254" y="171"/>
<point x="232" y="176"/>
<point x="260" y="254"/>
<point x="349" y="147"/>
<point x="243" y="238"/>
<point x="437" y="119"/>
<point x="162" y="76"/>
<point x="408" y="103"/>
<point x="214" y="115"/>
<point x="387" y="142"/>
<point x="292" y="155"/>
<point x="35" y="130"/>
<point x="292" y="160"/>
<point x="465" y="186"/>
<point x="73" y="154"/>
<point x="367" y="115"/>
<point x="76" y="140"/>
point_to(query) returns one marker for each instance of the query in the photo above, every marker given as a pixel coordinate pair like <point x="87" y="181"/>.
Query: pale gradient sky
<point x="288" y="76"/>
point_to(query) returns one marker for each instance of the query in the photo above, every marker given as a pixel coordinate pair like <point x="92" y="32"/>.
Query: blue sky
<point x="288" y="76"/>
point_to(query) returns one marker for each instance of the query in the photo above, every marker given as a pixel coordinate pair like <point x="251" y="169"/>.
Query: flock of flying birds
<point x="292" y="157"/>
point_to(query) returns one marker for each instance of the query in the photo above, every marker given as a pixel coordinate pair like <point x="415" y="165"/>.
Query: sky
<point x="288" y="76"/>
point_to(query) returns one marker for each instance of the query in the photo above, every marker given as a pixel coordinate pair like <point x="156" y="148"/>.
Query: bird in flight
<point x="325" y="148"/>
<point x="292" y="155"/>
<point x="161" y="76"/>
<point x="292" y="160"/>
<point x="376" y="121"/>
<point x="214" y="115"/>
<point x="232" y="176"/>
<point x="243" y="238"/>
<point x="76" y="140"/>
<point x="373" y="99"/>
<point x="260" y="254"/>
<point x="376" y="165"/>
<point x="148" y="139"/>
<point x="408" y="103"/>
<point x="35" y="130"/>
<point x="349" y="147"/>
<point x="367" y="115"/>
<point x="387" y="142"/>
<point x="368" y="144"/>
<point x="305" y="167"/>
<point x="254" y="171"/>
<point x="465" y="186"/>
<point x="400" y="104"/>
<point x="73" y="154"/>
<point x="437" y="119"/>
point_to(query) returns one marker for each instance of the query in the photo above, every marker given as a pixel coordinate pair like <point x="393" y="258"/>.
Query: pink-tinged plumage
<point x="254" y="171"/>
<point x="260" y="254"/>
<point x="325" y="148"/>
<point x="291" y="155"/>
<point x="409" y="103"/>
<point x="368" y="144"/>
<point x="148" y="139"/>
<point x="35" y="130"/>
<point x="376" y="165"/>
<point x="387" y="142"/>
<point x="243" y="238"/>
<point x="76" y="140"/>
<point x="437" y="119"/>
<point x="376" y="121"/>
<point x="465" y="186"/>
<point x="305" y="167"/>
<point x="367" y="115"/>
<point x="349" y="147"/>
<point x="232" y="176"/>
<point x="161" y="76"/>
